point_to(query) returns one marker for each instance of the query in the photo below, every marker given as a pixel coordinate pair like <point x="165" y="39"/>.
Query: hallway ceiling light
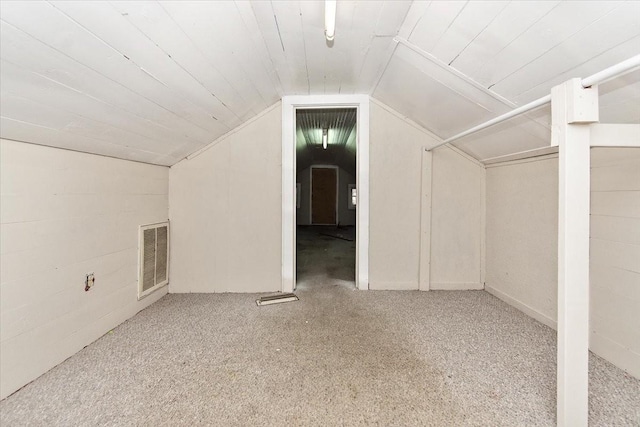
<point x="330" y="19"/>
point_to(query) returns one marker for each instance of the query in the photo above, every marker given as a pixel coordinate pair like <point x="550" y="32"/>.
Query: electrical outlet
<point x="89" y="281"/>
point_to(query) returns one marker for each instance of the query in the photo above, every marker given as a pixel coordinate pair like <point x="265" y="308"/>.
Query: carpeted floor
<point x="336" y="357"/>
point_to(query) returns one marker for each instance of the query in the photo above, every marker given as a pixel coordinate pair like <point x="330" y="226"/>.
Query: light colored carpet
<point x="336" y="357"/>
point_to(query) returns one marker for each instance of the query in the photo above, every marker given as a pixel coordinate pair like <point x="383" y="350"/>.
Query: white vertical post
<point x="424" y="279"/>
<point x="288" y="196"/>
<point x="362" y="184"/>
<point x="573" y="107"/>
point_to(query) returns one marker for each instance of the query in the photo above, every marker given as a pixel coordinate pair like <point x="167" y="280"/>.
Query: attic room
<point x="320" y="213"/>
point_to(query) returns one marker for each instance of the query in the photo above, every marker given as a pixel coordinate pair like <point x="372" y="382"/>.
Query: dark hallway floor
<point x="325" y="257"/>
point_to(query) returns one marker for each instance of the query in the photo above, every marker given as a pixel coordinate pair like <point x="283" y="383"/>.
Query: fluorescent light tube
<point x="330" y="19"/>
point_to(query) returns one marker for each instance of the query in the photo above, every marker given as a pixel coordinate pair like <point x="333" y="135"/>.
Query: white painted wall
<point x="394" y="210"/>
<point x="65" y="214"/>
<point x="346" y="216"/>
<point x="225" y="211"/>
<point x="456" y="220"/>
<point x="522" y="235"/>
<point x="396" y="194"/>
<point x="521" y="263"/>
<point x="615" y="256"/>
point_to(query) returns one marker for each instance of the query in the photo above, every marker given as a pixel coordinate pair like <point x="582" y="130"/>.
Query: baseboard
<point x="615" y="353"/>
<point x="393" y="286"/>
<point x="456" y="286"/>
<point x="530" y="311"/>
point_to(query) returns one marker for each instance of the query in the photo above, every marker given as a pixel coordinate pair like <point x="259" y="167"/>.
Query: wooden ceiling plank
<point x="289" y="27"/>
<point x="39" y="89"/>
<point x="432" y="104"/>
<point x="31" y="54"/>
<point x="559" y="24"/>
<point x="344" y="53"/>
<point x="514" y="20"/>
<point x="369" y="47"/>
<point x="259" y="44"/>
<point x="435" y="22"/>
<point x="267" y="23"/>
<point x="156" y="24"/>
<point x="19" y="108"/>
<point x="347" y="53"/>
<point x="27" y="132"/>
<point x="414" y="15"/>
<point x="472" y="20"/>
<point x="316" y="49"/>
<point x="454" y="82"/>
<point x="213" y="28"/>
<point x="593" y="65"/>
<point x="392" y="15"/>
<point x="617" y="27"/>
<point x="382" y="46"/>
<point x="240" y="47"/>
<point x="375" y="63"/>
<point x="110" y="26"/>
<point x="50" y="26"/>
<point x="619" y="99"/>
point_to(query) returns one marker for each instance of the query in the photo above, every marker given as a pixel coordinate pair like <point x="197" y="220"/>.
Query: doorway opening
<point x="326" y="197"/>
<point x="289" y="189"/>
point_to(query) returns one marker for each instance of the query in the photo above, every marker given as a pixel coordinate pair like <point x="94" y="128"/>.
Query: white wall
<point x="615" y="256"/>
<point x="456" y="221"/>
<point x="225" y="211"/>
<point x="395" y="150"/>
<point x="522" y="235"/>
<point x="65" y="214"/>
<point x="346" y="216"/>
<point x="522" y="217"/>
<point x="396" y="147"/>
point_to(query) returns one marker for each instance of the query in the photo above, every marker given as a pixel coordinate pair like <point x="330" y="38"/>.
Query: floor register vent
<point x="275" y="299"/>
<point x="153" y="258"/>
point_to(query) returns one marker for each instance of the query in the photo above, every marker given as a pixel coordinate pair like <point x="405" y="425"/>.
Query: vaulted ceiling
<point x="155" y="81"/>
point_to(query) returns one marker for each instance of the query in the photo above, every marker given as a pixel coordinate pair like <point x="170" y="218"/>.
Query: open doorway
<point x="289" y="230"/>
<point x="326" y="197"/>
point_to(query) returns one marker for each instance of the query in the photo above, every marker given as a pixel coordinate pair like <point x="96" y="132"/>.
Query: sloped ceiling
<point x="155" y="81"/>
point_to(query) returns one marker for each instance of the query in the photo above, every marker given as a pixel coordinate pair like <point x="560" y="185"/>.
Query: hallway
<point x="325" y="257"/>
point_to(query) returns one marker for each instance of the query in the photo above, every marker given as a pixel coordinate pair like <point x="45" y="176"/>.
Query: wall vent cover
<point x="153" y="258"/>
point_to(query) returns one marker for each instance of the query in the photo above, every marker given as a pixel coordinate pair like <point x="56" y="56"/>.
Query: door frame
<point x="337" y="169"/>
<point x="289" y="106"/>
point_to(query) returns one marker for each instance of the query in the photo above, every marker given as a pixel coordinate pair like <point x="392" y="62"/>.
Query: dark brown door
<point x="323" y="195"/>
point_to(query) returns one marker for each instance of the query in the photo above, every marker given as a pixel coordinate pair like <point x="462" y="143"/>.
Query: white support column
<point x="573" y="107"/>
<point x="424" y="280"/>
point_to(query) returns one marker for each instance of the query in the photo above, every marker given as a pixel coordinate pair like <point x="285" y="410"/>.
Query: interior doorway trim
<point x="289" y="106"/>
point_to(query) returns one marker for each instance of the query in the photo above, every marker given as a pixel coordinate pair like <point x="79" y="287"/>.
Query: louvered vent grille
<point x="161" y="257"/>
<point x="154" y="258"/>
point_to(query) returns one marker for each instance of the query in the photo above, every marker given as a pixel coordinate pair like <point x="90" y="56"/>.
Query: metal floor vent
<point x="275" y="299"/>
<point x="153" y="258"/>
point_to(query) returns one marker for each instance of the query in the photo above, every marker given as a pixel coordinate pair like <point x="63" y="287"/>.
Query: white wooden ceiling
<point x="155" y="81"/>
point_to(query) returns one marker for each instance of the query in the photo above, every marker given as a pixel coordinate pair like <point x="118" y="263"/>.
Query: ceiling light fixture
<point x="330" y="19"/>
<point x="325" y="137"/>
